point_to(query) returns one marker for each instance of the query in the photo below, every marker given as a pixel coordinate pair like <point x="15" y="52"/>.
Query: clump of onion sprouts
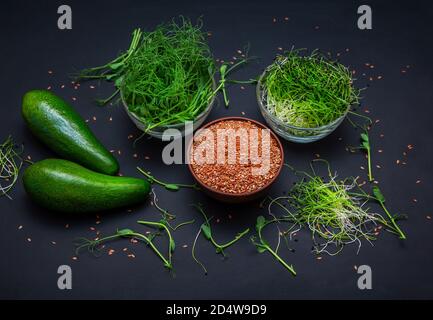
<point x="10" y="166"/>
<point x="335" y="211"/>
<point x="307" y="91"/>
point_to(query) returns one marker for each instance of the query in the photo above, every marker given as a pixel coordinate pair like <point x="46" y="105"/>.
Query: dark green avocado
<point x="61" y="128"/>
<point x="62" y="185"/>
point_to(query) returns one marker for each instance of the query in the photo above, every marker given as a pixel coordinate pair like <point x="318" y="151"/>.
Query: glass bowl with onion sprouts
<point x="304" y="98"/>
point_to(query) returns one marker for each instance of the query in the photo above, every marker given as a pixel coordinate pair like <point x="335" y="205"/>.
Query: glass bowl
<point x="158" y="131"/>
<point x="290" y="132"/>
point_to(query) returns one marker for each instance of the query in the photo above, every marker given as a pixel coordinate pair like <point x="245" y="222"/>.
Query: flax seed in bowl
<point x="235" y="159"/>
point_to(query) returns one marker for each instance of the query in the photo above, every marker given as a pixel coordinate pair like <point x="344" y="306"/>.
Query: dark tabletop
<point x="36" y="54"/>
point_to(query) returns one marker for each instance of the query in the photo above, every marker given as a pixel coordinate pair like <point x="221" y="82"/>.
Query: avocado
<point x="61" y="128"/>
<point x="62" y="185"/>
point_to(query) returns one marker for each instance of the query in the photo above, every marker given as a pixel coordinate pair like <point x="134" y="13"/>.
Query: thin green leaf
<point x="206" y="231"/>
<point x="378" y="194"/>
<point x="171" y="187"/>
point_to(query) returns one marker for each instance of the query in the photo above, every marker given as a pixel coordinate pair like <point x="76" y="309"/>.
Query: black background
<point x="32" y="45"/>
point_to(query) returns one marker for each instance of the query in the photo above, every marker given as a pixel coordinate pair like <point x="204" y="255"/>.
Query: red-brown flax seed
<point x="236" y="178"/>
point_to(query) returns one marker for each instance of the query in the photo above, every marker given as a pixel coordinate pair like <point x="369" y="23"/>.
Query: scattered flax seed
<point x="67" y="226"/>
<point x="317" y="155"/>
<point x="98" y="222"/>
<point x="92" y="229"/>
<point x="243" y="113"/>
<point x="418" y="182"/>
<point x="53" y="243"/>
<point x="50" y="72"/>
<point x="378" y="166"/>
<point x="20" y="227"/>
<point x="125" y="249"/>
<point x="415" y="200"/>
<point x="355" y="267"/>
<point x="428" y="217"/>
<point x="110" y="119"/>
<point x="380" y="150"/>
<point x="131" y="255"/>
<point x="280" y="48"/>
<point x="410" y="147"/>
<point x="94" y="118"/>
<point x="111" y="251"/>
<point x="74" y="98"/>
<point x="29" y="239"/>
<point x="381" y="135"/>
<point x="119" y="152"/>
<point x="286" y="18"/>
<point x="379" y="77"/>
<point x="316" y="27"/>
<point x="217" y="220"/>
<point x="362" y="167"/>
<point x="87" y="120"/>
<point x="404" y="153"/>
<point x="242" y="88"/>
<point x="230" y="216"/>
<point x="403" y="71"/>
<point x="92" y="87"/>
<point x="147" y="157"/>
<point x="49" y="88"/>
<point x="370" y="78"/>
<point x="239" y="51"/>
<point x="74" y="258"/>
<point x="130" y="136"/>
<point x="133" y="241"/>
<point x="376" y="121"/>
<point x="185" y="246"/>
<point x="62" y="86"/>
<point x="135" y="155"/>
<point x="319" y="258"/>
<point x="209" y="34"/>
<point x="274" y="20"/>
<point x="367" y="111"/>
<point x="397" y="161"/>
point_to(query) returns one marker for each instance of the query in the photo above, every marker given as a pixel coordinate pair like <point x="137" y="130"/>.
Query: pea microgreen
<point x="206" y="229"/>
<point x="168" y="186"/>
<point x="262" y="245"/>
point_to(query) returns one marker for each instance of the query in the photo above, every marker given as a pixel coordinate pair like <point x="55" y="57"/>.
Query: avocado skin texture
<point x="61" y="128"/>
<point x="65" y="186"/>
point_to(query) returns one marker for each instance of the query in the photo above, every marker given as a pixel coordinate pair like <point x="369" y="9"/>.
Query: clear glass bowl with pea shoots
<point x="158" y="131"/>
<point x="305" y="98"/>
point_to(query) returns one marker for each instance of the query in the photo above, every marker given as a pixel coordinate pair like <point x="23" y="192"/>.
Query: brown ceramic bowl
<point x="237" y="197"/>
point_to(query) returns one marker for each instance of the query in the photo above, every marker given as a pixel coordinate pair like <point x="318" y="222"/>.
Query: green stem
<point x="155" y="249"/>
<point x="397" y="228"/>
<point x="168" y="186"/>
<point x="237" y="238"/>
<point x="370" y="175"/>
<point x="290" y="268"/>
<point x="161" y="225"/>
